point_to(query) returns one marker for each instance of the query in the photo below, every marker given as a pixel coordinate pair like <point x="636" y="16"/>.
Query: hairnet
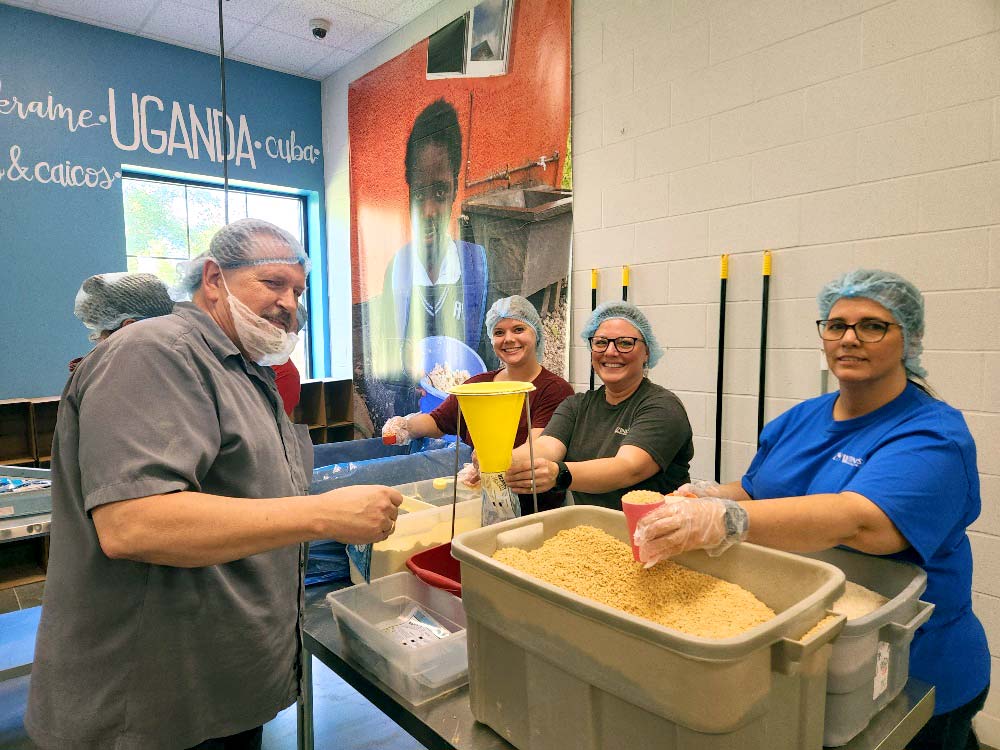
<point x="631" y="313"/>
<point x="246" y="242"/>
<point x="517" y="307"/>
<point x="895" y="294"/>
<point x="107" y="300"/>
<point x="301" y="316"/>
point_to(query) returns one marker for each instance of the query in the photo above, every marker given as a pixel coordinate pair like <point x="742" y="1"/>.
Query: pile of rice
<point x="592" y="563"/>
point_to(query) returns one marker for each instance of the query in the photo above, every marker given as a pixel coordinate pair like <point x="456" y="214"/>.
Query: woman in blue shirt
<point x="880" y="466"/>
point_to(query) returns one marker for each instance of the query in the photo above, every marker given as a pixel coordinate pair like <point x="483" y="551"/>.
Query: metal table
<point x="446" y="723"/>
<point x="24" y="527"/>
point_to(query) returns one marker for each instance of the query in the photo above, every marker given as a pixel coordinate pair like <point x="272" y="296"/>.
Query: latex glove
<point x="396" y="427"/>
<point x="701" y="488"/>
<point x="469" y="475"/>
<point x="683" y="524"/>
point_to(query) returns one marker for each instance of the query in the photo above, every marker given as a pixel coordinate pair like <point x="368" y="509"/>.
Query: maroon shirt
<point x="550" y="391"/>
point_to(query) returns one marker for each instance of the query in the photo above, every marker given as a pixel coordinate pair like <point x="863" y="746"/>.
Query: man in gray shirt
<point x="180" y="496"/>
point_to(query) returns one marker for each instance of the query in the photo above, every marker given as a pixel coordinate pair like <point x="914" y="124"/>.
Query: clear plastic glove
<point x="469" y="475"/>
<point x="397" y="431"/>
<point x="700" y="488"/>
<point x="683" y="524"/>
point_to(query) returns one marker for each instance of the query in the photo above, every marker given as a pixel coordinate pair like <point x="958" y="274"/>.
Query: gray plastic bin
<point x="550" y="670"/>
<point x="871" y="656"/>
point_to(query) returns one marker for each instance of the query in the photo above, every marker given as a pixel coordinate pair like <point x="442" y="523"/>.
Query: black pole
<point x="225" y="127"/>
<point x="593" y="306"/>
<point x="624" y="283"/>
<point x="723" y="279"/>
<point x="765" y="293"/>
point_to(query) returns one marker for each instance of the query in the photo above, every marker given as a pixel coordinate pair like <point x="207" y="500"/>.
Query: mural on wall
<point x="81" y="132"/>
<point x="137" y="122"/>
<point x="461" y="193"/>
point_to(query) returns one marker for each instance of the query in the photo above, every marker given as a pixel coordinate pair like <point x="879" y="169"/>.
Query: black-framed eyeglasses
<point x="868" y="331"/>
<point x="623" y="344"/>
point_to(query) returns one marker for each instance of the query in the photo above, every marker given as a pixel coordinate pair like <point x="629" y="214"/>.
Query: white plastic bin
<point x="382" y="631"/>
<point x="870" y="662"/>
<point x="416" y="532"/>
<point x="551" y="670"/>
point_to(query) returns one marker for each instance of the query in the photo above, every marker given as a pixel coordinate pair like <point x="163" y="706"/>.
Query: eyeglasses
<point x="624" y="344"/>
<point x="868" y="331"/>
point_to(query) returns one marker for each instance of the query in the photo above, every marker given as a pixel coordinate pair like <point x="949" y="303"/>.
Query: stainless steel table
<point x="446" y="723"/>
<point x="12" y="529"/>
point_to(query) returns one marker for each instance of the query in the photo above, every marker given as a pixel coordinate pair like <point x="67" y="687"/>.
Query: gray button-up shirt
<point x="134" y="656"/>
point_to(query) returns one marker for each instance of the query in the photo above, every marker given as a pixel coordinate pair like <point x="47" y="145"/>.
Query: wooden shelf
<point x="43" y="416"/>
<point x="326" y="408"/>
<point x="17" y="442"/>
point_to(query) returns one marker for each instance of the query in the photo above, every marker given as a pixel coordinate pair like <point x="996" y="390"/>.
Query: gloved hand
<point x="683" y="524"/>
<point x="396" y="427"/>
<point x="700" y="488"/>
<point x="469" y="475"/>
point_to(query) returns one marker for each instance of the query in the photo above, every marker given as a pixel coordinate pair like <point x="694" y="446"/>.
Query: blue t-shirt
<point x="916" y="460"/>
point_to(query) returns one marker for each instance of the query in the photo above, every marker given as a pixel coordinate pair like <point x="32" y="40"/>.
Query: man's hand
<point x="360" y="514"/>
<point x="518" y="476"/>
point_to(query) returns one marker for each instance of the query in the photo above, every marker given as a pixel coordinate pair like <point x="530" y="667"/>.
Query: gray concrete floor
<point x="343" y="719"/>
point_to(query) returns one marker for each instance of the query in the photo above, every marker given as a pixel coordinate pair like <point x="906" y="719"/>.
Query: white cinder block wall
<point x="837" y="133"/>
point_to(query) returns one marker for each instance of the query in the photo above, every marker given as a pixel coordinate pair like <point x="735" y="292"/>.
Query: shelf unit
<point x="17" y="437"/>
<point x="27" y="425"/>
<point x="43" y="419"/>
<point x="326" y="408"/>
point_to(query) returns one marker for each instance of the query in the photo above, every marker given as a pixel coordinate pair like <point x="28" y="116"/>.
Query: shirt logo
<point x="621" y="430"/>
<point x="849" y="460"/>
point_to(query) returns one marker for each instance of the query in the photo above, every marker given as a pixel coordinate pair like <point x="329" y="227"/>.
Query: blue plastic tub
<point x="441" y="350"/>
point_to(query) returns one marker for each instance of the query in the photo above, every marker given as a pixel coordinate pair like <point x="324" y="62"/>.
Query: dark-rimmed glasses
<point x="623" y="344"/>
<point x="868" y="331"/>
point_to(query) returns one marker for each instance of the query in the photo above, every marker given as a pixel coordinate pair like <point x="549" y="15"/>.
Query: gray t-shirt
<point x="652" y="418"/>
<point x="135" y="656"/>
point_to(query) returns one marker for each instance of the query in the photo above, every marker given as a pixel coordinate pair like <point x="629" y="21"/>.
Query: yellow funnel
<point x="492" y="412"/>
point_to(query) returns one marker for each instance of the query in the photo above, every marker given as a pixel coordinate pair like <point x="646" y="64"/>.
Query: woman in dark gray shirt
<point x="629" y="434"/>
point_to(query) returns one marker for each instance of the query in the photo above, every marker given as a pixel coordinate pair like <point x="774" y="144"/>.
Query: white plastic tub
<point x="870" y="662"/>
<point x="411" y="636"/>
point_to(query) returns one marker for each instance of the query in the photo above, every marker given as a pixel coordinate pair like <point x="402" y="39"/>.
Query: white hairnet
<point x="631" y="313"/>
<point x="895" y="294"/>
<point x="301" y="316"/>
<point x="107" y="300"/>
<point x="517" y="307"/>
<point x="246" y="242"/>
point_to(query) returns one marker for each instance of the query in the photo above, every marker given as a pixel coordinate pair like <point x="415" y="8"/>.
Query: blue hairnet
<point x="246" y="242"/>
<point x="517" y="307"/>
<point x="631" y="313"/>
<point x="895" y="294"/>
<point x="107" y="300"/>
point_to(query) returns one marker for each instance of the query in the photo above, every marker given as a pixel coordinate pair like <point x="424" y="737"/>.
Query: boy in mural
<point x="435" y="285"/>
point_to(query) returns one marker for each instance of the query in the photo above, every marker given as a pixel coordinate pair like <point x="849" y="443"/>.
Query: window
<point x="474" y="45"/>
<point x="169" y="222"/>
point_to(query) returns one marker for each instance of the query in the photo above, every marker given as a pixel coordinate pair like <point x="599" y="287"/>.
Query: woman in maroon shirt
<point x="516" y="332"/>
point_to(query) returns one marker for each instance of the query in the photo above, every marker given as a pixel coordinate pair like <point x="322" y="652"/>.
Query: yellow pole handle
<point x="624" y="275"/>
<point x="724" y="266"/>
<point x="593" y="278"/>
<point x="767" y="263"/>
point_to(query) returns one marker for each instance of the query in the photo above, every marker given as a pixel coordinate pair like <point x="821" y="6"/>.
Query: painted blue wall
<point x="53" y="236"/>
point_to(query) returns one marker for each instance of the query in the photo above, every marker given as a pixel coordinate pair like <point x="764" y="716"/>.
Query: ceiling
<point x="271" y="33"/>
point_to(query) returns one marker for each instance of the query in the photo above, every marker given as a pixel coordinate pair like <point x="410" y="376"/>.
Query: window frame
<point x="135" y="174"/>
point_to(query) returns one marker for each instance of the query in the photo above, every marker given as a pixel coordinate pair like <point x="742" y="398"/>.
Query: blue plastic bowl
<point x="442" y="350"/>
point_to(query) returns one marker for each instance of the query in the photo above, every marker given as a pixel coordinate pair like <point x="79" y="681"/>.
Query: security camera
<point x="320" y="27"/>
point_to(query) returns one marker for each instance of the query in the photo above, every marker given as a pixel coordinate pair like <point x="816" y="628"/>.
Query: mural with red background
<point x="510" y="211"/>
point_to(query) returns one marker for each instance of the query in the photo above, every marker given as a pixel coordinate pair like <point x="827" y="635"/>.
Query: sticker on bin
<point x="881" y="669"/>
<point x="414" y="628"/>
